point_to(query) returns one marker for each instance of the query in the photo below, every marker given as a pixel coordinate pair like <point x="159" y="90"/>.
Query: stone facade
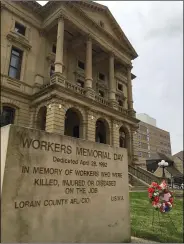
<point x="74" y="56"/>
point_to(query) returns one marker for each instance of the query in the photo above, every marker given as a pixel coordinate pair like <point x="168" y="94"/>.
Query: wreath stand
<point x="153" y="219"/>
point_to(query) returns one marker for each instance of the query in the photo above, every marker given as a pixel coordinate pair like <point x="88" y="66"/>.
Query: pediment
<point x="102" y="16"/>
<point x="97" y="13"/>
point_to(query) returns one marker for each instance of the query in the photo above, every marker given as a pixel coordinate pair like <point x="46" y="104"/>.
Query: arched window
<point x="41" y="119"/>
<point x="7" y="116"/>
<point x="102" y="132"/>
<point x="73" y="122"/>
<point x="122" y="138"/>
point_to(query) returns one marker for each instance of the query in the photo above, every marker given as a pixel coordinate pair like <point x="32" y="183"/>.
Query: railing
<point x="58" y="79"/>
<point x="148" y="173"/>
<point x="122" y="110"/>
<point x="75" y="88"/>
<point x="139" y="174"/>
<point x="102" y="100"/>
<point x="44" y="86"/>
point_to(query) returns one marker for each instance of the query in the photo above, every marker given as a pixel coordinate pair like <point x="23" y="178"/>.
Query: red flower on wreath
<point x="171" y="200"/>
<point x="154" y="184"/>
<point x="156" y="199"/>
<point x="151" y="190"/>
<point x="154" y="203"/>
<point x="159" y="188"/>
<point x="163" y="201"/>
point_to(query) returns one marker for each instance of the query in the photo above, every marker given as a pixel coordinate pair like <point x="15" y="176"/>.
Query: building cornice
<point x="15" y="93"/>
<point x="36" y="22"/>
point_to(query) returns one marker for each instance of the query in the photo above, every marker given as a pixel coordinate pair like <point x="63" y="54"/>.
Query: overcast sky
<point x="155" y="30"/>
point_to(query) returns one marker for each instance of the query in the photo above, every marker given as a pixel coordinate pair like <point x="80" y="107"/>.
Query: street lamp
<point x="163" y="164"/>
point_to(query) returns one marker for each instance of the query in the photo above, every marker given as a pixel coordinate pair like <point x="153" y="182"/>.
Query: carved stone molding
<point x="42" y="33"/>
<point x="9" y="101"/>
<point x="129" y="68"/>
<point x="61" y="17"/>
<point x="14" y="37"/>
<point x="2" y="6"/>
<point x="88" y="37"/>
<point x="112" y="54"/>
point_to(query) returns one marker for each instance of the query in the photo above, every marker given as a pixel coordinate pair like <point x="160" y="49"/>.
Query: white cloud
<point x="155" y="29"/>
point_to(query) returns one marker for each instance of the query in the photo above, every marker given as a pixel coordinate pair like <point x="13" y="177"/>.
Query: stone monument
<point x="56" y="188"/>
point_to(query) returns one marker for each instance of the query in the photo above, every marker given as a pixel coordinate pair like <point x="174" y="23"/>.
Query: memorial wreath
<point x="160" y="197"/>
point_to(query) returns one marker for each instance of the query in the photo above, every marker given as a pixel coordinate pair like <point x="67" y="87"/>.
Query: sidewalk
<point x="139" y="240"/>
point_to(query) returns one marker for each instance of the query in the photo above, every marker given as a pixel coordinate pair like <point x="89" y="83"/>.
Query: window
<point x="76" y="131"/>
<point x="80" y="83"/>
<point x="101" y="93"/>
<point x="101" y="76"/>
<point x="120" y="102"/>
<point x="54" y="48"/>
<point x="122" y="139"/>
<point x="7" y="116"/>
<point x="81" y="65"/>
<point x="20" y="28"/>
<point x="120" y="87"/>
<point x="15" y="63"/>
<point x="52" y="69"/>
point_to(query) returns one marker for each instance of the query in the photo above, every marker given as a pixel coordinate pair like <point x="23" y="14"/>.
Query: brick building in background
<point x="149" y="139"/>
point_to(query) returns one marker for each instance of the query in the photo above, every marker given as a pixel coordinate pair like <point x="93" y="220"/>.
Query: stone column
<point x="132" y="145"/>
<point x="129" y="92"/>
<point x="32" y="121"/>
<point x="91" y="126"/>
<point x="55" y="119"/>
<point x="112" y="85"/>
<point x="88" y="68"/>
<point x="59" y="46"/>
<point x="129" y="147"/>
<point x="39" y="78"/>
<point x="115" y="133"/>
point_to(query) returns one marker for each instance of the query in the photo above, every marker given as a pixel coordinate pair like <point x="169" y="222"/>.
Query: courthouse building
<point x="66" y="68"/>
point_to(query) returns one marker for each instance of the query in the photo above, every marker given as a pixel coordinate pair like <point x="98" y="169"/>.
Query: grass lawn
<point x="142" y="217"/>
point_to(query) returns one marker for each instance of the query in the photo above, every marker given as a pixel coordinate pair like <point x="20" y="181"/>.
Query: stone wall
<point x="61" y="189"/>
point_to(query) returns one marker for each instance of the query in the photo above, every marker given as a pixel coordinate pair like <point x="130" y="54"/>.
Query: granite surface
<point x="62" y="189"/>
